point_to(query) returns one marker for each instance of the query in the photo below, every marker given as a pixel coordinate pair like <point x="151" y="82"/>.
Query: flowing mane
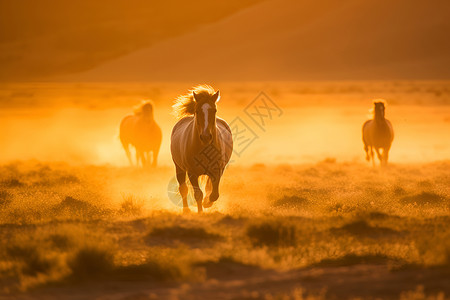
<point x="185" y="104"/>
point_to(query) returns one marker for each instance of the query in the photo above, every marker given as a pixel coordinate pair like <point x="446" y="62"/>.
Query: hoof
<point x="207" y="203"/>
<point x="186" y="210"/>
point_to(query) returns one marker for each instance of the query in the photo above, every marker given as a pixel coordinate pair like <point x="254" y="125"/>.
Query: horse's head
<point x="379" y="109"/>
<point x="205" y="114"/>
<point x="145" y="109"/>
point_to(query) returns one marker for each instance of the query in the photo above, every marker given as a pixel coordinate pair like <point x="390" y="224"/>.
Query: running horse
<point x="201" y="144"/>
<point x="378" y="134"/>
<point x="141" y="131"/>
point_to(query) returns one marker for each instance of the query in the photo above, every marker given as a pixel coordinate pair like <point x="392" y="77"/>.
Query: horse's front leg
<point x="198" y="194"/>
<point x="385" y="155"/>
<point x="181" y="178"/>
<point x="379" y="155"/>
<point x="212" y="196"/>
<point x="372" y="155"/>
<point x="155" y="153"/>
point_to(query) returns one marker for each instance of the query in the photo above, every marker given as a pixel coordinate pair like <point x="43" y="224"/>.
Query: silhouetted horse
<point x="141" y="131"/>
<point x="378" y="134"/>
<point x="201" y="144"/>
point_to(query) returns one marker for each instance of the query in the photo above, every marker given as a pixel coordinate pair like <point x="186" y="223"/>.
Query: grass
<point x="272" y="233"/>
<point x="70" y="232"/>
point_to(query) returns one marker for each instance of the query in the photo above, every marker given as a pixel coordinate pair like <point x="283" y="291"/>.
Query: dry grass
<point x="72" y="231"/>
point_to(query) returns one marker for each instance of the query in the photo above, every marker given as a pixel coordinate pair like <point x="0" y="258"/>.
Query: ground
<point x="362" y="232"/>
<point x="300" y="214"/>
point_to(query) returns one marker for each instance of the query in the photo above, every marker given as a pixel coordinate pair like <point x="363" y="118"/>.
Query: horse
<point x="201" y="144"/>
<point x="140" y="130"/>
<point x="378" y="134"/>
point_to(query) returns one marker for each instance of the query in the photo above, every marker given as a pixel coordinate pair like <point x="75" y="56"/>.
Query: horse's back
<point x="126" y="129"/>
<point x="148" y="135"/>
<point x="144" y="134"/>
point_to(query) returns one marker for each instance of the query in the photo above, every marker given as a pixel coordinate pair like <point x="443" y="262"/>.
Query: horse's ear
<point x="216" y="96"/>
<point x="195" y="96"/>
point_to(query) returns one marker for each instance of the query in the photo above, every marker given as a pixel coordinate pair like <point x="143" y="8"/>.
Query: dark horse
<point x="141" y="131"/>
<point x="378" y="134"/>
<point x="201" y="144"/>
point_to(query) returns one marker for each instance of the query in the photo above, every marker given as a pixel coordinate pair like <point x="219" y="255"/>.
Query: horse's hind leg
<point x="198" y="194"/>
<point x="181" y="178"/>
<point x="372" y="155"/>
<point x="366" y="148"/>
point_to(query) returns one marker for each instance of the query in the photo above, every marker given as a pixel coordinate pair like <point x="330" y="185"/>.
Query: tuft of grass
<point x="424" y="198"/>
<point x="226" y="266"/>
<point x="96" y="263"/>
<point x="33" y="260"/>
<point x="295" y="294"/>
<point x="150" y="270"/>
<point x="131" y="206"/>
<point x="361" y="228"/>
<point x="61" y="241"/>
<point x="272" y="233"/>
<point x="76" y="207"/>
<point x="353" y="259"/>
<point x="181" y="233"/>
<point x="12" y="183"/>
<point x="5" y="198"/>
<point x="91" y="262"/>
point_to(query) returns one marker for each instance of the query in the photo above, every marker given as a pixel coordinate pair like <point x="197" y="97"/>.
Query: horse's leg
<point x="143" y="160"/>
<point x="214" y="194"/>
<point x="372" y="155"/>
<point x="366" y="148"/>
<point x="127" y="151"/>
<point x="137" y="157"/>
<point x="181" y="178"/>
<point x="155" y="156"/>
<point x="380" y="157"/>
<point x="386" y="155"/>
<point x="147" y="158"/>
<point x="198" y="194"/>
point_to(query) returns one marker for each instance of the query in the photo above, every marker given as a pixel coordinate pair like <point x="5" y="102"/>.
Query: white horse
<point x="141" y="131"/>
<point x="378" y="134"/>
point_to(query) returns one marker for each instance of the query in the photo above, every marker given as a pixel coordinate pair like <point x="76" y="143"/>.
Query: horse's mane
<point x="145" y="108"/>
<point x="185" y="104"/>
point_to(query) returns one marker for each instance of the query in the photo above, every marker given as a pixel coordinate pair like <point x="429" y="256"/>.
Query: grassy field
<point x="301" y="215"/>
<point x="327" y="230"/>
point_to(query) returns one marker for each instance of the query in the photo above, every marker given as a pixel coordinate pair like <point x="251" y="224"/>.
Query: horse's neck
<point x="379" y="119"/>
<point x="148" y="118"/>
